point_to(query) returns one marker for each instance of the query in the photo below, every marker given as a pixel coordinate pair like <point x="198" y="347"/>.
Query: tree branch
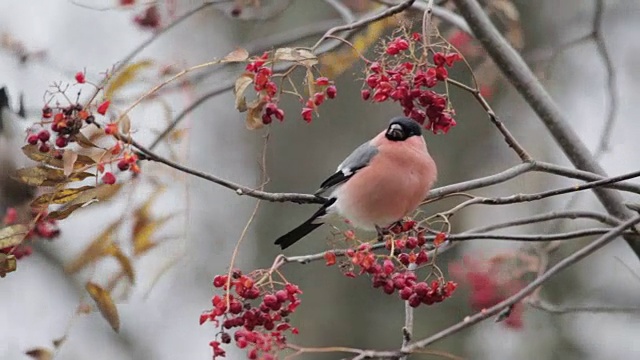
<point x="520" y="295"/>
<point x="521" y="77"/>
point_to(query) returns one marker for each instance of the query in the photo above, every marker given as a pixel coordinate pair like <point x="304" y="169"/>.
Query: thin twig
<point x="563" y="310"/>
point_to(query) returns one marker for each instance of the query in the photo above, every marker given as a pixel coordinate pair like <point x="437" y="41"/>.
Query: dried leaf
<point x="8" y="263"/>
<point x="68" y="161"/>
<point x="33" y="153"/>
<point x="125" y="76"/>
<point x="105" y="304"/>
<point x="301" y="56"/>
<point x="45" y="176"/>
<point x="124" y="262"/>
<point x="236" y="55"/>
<point x="100" y="193"/>
<point x="60" y="197"/>
<point x="125" y="124"/>
<point x="254" y="119"/>
<point x="97" y="249"/>
<point x="87" y="143"/>
<point x="143" y="230"/>
<point x="40" y="354"/>
<point x="242" y="83"/>
<point x="12" y="235"/>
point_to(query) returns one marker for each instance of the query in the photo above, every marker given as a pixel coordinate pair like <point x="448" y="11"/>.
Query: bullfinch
<point x="378" y="184"/>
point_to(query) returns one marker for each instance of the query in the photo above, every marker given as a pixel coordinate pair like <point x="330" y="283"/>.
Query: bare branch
<point x="520" y="295"/>
<point x="519" y="74"/>
<point x="563" y="310"/>
<point x="554" y="215"/>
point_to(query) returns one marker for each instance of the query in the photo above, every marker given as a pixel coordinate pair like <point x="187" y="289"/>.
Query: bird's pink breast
<point x="398" y="178"/>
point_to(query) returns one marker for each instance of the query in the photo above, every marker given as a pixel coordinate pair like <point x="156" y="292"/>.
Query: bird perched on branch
<point x="378" y="184"/>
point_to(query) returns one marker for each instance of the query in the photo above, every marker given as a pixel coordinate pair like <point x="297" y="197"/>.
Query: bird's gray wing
<point x="357" y="160"/>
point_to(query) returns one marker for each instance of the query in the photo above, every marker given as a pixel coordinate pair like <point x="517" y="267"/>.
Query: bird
<point x="378" y="184"/>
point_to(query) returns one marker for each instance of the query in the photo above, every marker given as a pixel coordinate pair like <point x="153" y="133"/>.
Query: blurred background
<point x="160" y="316"/>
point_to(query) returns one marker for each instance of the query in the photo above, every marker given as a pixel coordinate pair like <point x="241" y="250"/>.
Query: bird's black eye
<point x="395" y="133"/>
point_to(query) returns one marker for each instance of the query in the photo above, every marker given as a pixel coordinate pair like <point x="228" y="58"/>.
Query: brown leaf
<point x="8" y="263"/>
<point x="105" y="304"/>
<point x="301" y="56"/>
<point x="68" y="161"/>
<point x="100" y="193"/>
<point x="40" y="353"/>
<point x="61" y="196"/>
<point x="236" y="55"/>
<point x="85" y="142"/>
<point x="97" y="249"/>
<point x="33" y="153"/>
<point x="58" y="342"/>
<point x="254" y="118"/>
<point x="125" y="124"/>
<point x="12" y="235"/>
<point x="143" y="231"/>
<point x="46" y="176"/>
<point x="242" y="83"/>
<point x="124" y="262"/>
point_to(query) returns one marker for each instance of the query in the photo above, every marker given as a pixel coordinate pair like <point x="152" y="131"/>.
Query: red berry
<point x="219" y="281"/>
<point x="452" y="58"/>
<point x="414" y="301"/>
<point x="282" y="295"/>
<point x="46" y="112"/>
<point x="102" y="108"/>
<point x="372" y="81"/>
<point x="411" y="243"/>
<point x="44" y="148"/>
<point x="123" y="165"/>
<point x="266" y="119"/>
<point x="322" y="81"/>
<point x="235" y="307"/>
<point x="270" y="300"/>
<point x="416" y="36"/>
<point x="62" y="141"/>
<point x="405" y="293"/>
<point x="366" y="94"/>
<point x="404" y="259"/>
<point x="392" y="49"/>
<point x="80" y="77"/>
<point x="330" y="258"/>
<point x="225" y="338"/>
<point x="108" y="178"/>
<point x="332" y="92"/>
<point x="441" y="73"/>
<point x="388" y="267"/>
<point x="439" y="59"/>
<point x="307" y="112"/>
<point x="421" y="289"/>
<point x="32" y="139"/>
<point x="402" y="44"/>
<point x="44" y="135"/>
<point x="318" y="98"/>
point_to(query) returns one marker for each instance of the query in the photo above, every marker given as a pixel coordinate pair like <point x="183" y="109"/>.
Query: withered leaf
<point x="85" y="142"/>
<point x="58" y="342"/>
<point x="99" y="193"/>
<point x="8" y="263"/>
<point x="69" y="158"/>
<point x="40" y="354"/>
<point x="236" y="55"/>
<point x="46" y="176"/>
<point x="242" y="83"/>
<point x="97" y="249"/>
<point x="33" y="153"/>
<point x="254" y="119"/>
<point x="124" y="262"/>
<point x="61" y="196"/>
<point x="105" y="304"/>
<point x="125" y="124"/>
<point x="143" y="231"/>
<point x="301" y="56"/>
<point x="12" y="235"/>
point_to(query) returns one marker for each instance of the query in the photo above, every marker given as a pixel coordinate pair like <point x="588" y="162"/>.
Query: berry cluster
<point x="44" y="228"/>
<point x="391" y="273"/>
<point x="261" y="327"/>
<point x="402" y="77"/>
<point x="268" y="91"/>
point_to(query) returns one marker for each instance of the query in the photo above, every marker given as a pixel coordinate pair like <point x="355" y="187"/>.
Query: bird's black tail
<point x="305" y="228"/>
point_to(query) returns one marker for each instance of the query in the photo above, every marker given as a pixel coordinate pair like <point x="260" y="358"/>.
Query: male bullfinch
<point x="378" y="184"/>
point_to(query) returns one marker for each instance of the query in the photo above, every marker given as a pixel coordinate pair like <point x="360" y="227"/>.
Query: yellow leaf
<point x="40" y="354"/>
<point x="45" y="176"/>
<point x="236" y="55"/>
<point x="100" y="193"/>
<point x="301" y="56"/>
<point x="124" y="262"/>
<point x="105" y="304"/>
<point x="12" y="235"/>
<point x="60" y="197"/>
<point x="242" y="83"/>
<point x="8" y="263"/>
<point x="143" y="231"/>
<point x="33" y="153"/>
<point x="125" y="76"/>
<point x="97" y="249"/>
